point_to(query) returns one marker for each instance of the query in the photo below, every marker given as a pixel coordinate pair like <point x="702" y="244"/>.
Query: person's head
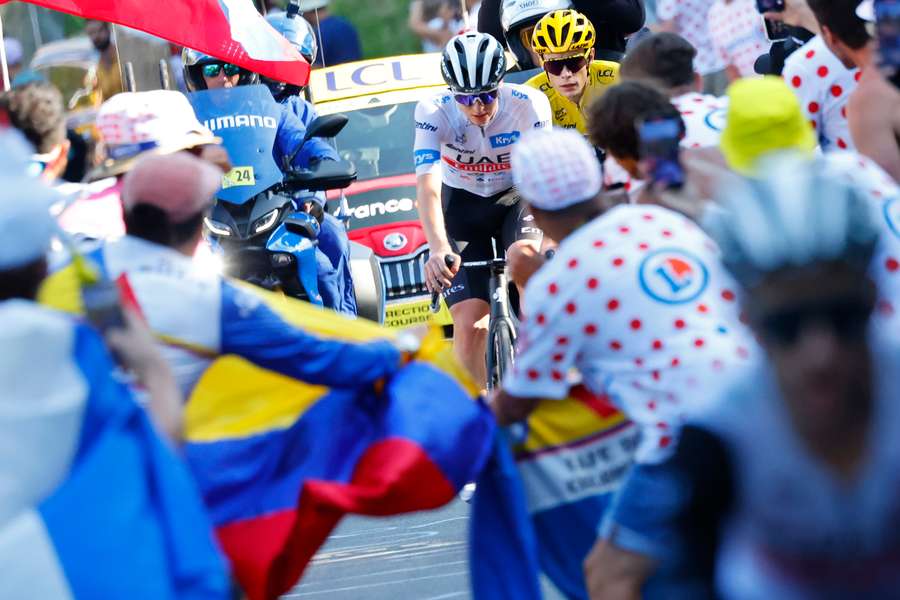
<point x="843" y="31"/>
<point x="203" y="72"/>
<point x="37" y="110"/>
<point x="612" y="121"/>
<point x="473" y="65"/>
<point x="518" y="18"/>
<point x="26" y="227"/>
<point x="100" y="34"/>
<point x="165" y="198"/>
<point x="135" y="124"/>
<point x="557" y="173"/>
<point x="300" y="34"/>
<point x="763" y="116"/>
<point x="564" y="39"/>
<point x="799" y="240"/>
<point x="666" y="58"/>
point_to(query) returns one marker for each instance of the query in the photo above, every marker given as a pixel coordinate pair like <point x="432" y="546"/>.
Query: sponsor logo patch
<point x="426" y="157"/>
<point x="425" y="126"/>
<point x="673" y="276"/>
<point x="504" y="139"/>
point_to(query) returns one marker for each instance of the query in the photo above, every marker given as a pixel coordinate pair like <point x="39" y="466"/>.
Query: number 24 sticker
<point x="238" y="176"/>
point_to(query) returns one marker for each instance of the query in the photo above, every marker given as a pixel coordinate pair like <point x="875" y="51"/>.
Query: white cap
<point x="555" y="168"/>
<point x="135" y="123"/>
<point x="26" y="226"/>
<point x="14" y="51"/>
<point x="866" y="10"/>
<point x="308" y="5"/>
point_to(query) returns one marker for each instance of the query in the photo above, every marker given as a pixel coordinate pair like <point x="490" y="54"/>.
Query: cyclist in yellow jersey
<point x="564" y="39"/>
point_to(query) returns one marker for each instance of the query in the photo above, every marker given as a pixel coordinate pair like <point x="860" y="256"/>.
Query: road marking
<point x="371" y="585"/>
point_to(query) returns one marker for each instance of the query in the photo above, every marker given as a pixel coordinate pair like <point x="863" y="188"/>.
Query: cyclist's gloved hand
<point x="437" y="274"/>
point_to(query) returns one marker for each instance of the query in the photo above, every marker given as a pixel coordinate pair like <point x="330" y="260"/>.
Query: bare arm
<point x="874" y="119"/>
<point x="615" y="574"/>
<point x="510" y="409"/>
<point x="431" y="214"/>
<point x="419" y="27"/>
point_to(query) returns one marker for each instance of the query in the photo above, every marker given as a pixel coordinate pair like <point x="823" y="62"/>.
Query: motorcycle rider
<point x="333" y="240"/>
<point x="464" y="182"/>
<point x="205" y="72"/>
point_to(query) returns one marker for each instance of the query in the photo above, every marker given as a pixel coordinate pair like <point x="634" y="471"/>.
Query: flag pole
<point x="3" y="65"/>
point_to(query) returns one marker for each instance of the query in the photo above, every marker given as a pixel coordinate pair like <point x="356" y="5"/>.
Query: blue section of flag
<point x="503" y="552"/>
<point x="128" y="521"/>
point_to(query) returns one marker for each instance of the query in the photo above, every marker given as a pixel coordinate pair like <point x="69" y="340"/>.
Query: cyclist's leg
<point x="471" y="221"/>
<point x="519" y="232"/>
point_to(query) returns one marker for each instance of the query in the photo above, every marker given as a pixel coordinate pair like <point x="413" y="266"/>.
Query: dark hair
<point x="151" y="223"/>
<point x="839" y="16"/>
<point x="36" y="109"/>
<point x="666" y="57"/>
<point x="23" y="282"/>
<point x="611" y="118"/>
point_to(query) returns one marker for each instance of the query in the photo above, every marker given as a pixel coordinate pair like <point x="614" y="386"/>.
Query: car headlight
<point x="265" y="222"/>
<point x="216" y="227"/>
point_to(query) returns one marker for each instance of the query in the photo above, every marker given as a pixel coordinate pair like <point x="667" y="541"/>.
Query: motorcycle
<point x="262" y="237"/>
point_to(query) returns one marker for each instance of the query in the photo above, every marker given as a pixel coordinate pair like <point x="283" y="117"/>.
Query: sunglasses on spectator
<point x="573" y="63"/>
<point x="213" y="69"/>
<point x="469" y="99"/>
<point x="847" y="319"/>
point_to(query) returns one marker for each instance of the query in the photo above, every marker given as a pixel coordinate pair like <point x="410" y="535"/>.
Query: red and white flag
<point x="231" y="30"/>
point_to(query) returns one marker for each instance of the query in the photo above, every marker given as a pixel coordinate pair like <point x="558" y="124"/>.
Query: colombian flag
<point x="543" y="494"/>
<point x="279" y="461"/>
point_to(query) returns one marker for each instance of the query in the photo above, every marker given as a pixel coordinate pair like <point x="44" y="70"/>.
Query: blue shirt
<point x="289" y="137"/>
<point x="338" y="42"/>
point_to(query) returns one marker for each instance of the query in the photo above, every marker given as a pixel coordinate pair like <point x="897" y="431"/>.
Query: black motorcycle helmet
<point x="193" y="62"/>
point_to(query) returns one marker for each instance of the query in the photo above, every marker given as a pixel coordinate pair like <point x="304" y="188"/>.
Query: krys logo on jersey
<point x="673" y="276"/>
<point x="502" y="140"/>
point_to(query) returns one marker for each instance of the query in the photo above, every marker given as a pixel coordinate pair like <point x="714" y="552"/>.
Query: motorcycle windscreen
<point x="246" y="118"/>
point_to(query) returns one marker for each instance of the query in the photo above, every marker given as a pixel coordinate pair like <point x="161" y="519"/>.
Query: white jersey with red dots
<point x="738" y="34"/>
<point x="637" y="303"/>
<point x="823" y="85"/>
<point x="704" y="118"/>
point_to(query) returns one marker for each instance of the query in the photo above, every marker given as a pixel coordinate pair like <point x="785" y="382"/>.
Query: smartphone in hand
<point x="887" y="31"/>
<point x="776" y="31"/>
<point x="103" y="305"/>
<point x="659" y="139"/>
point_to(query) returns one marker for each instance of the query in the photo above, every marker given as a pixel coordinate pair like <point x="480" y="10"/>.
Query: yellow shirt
<point x="109" y="79"/>
<point x="601" y="73"/>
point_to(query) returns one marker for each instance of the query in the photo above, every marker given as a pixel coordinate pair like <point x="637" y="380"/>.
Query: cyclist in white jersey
<point x="787" y="485"/>
<point x="464" y="138"/>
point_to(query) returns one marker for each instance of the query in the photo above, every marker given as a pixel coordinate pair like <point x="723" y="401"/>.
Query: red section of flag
<point x="202" y="25"/>
<point x="269" y="554"/>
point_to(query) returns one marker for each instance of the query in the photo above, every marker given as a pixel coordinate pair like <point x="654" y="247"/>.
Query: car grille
<point x="405" y="278"/>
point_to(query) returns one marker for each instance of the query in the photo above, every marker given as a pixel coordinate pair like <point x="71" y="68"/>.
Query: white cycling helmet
<point x="472" y="63"/>
<point x="516" y="15"/>
<point x="796" y="213"/>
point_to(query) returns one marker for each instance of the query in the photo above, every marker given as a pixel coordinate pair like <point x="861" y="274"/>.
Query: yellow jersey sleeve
<point x="567" y="114"/>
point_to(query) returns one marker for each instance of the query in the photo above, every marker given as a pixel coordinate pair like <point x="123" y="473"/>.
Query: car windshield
<point x="379" y="140"/>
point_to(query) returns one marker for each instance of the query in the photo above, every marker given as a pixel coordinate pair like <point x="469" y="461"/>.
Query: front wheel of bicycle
<point x="501" y="346"/>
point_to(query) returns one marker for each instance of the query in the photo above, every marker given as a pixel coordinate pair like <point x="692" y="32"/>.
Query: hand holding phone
<point x="659" y="139"/>
<point x="102" y="305"/>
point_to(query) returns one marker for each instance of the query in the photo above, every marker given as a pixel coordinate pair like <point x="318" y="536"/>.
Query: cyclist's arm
<point x="431" y="213"/>
<point x="250" y="329"/>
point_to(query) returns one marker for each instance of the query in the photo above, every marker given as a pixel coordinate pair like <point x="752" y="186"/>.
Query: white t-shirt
<point x="469" y="157"/>
<point x="738" y="34"/>
<point x="704" y="118"/>
<point x="691" y="22"/>
<point x="823" y="85"/>
<point x="636" y="302"/>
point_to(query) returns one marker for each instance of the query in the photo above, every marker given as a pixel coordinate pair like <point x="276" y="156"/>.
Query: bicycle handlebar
<point x="436" y="296"/>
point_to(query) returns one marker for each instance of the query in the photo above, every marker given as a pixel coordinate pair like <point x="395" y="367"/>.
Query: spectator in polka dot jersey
<point x="634" y="305"/>
<point x="738" y="35"/>
<point x="689" y="18"/>
<point x="873" y="109"/>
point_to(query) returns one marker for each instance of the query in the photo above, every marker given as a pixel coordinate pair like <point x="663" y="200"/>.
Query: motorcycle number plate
<point x="239" y="176"/>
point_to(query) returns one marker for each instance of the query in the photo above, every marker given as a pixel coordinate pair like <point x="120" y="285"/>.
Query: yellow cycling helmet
<point x="563" y="31"/>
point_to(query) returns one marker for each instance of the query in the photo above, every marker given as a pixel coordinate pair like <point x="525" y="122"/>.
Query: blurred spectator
<point x="614" y="20"/>
<point x="338" y="38"/>
<point x="667" y="59"/>
<point x="873" y="110"/>
<point x="109" y="76"/>
<point x="824" y="85"/>
<point x="434" y="22"/>
<point x="690" y="19"/>
<point x="14" y="57"/>
<point x="738" y="35"/>
<point x="274" y="7"/>
<point x="36" y="109"/>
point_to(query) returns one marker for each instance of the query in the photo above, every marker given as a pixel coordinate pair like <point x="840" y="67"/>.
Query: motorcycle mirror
<point x="328" y="175"/>
<point x="326" y="126"/>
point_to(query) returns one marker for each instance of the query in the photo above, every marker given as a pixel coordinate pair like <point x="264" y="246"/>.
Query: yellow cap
<point x="764" y="116"/>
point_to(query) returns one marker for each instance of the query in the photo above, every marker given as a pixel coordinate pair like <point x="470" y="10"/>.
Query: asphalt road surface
<point x="421" y="556"/>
